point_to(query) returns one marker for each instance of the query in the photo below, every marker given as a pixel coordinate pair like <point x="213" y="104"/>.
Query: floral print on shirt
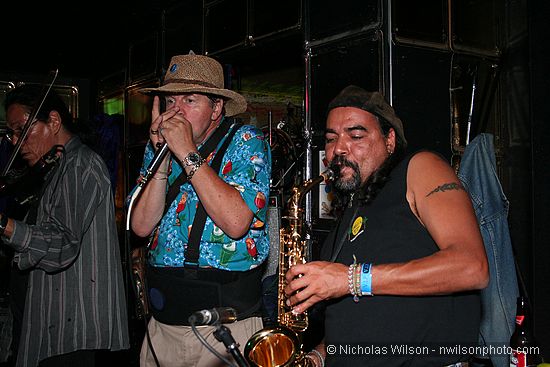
<point x="246" y="166"/>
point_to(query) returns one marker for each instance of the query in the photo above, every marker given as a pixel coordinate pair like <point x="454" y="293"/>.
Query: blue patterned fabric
<point x="247" y="167"/>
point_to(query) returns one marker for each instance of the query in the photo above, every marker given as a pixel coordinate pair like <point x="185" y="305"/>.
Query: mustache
<point x="348" y="185"/>
<point x="338" y="162"/>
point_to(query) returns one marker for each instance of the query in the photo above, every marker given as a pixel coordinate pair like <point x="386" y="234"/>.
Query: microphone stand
<point x="223" y="334"/>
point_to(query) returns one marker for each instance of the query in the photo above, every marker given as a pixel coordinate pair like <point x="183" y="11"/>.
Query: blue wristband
<point x="366" y="280"/>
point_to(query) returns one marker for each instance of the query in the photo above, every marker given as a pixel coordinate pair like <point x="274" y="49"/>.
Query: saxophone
<point x="281" y="346"/>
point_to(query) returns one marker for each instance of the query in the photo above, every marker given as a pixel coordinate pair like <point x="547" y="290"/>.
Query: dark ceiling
<point x="87" y="39"/>
<point x="91" y="39"/>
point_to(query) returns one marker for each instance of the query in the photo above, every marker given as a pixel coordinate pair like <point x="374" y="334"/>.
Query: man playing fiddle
<point x="74" y="299"/>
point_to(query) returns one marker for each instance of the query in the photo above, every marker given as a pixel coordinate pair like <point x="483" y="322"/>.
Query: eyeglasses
<point x="12" y="134"/>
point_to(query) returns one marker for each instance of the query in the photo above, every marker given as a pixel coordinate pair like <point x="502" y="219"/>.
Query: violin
<point x="24" y="184"/>
<point x="28" y="124"/>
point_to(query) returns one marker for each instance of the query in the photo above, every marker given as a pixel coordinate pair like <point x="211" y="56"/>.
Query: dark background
<point x="112" y="47"/>
<point x="87" y="39"/>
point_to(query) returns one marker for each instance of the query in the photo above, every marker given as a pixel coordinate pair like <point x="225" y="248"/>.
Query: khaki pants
<point x="178" y="346"/>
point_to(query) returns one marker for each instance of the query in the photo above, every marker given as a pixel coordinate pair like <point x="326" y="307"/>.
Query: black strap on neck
<point x="207" y="148"/>
<point x="192" y="250"/>
<point x="341" y="232"/>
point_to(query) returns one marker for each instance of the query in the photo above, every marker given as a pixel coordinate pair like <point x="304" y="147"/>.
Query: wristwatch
<point x="3" y="223"/>
<point x="193" y="160"/>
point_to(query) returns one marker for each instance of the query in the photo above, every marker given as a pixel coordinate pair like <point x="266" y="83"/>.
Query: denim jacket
<point x="478" y="175"/>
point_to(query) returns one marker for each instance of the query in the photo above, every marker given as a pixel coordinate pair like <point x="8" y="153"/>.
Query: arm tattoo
<point x="447" y="186"/>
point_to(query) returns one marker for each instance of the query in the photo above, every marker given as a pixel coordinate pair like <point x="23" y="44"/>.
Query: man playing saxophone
<point x="400" y="272"/>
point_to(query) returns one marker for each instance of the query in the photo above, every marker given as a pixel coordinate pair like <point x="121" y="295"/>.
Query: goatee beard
<point x="345" y="185"/>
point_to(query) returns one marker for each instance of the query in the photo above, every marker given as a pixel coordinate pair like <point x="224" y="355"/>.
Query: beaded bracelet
<point x="360" y="280"/>
<point x="351" y="286"/>
<point x="353" y="281"/>
<point x="357" y="279"/>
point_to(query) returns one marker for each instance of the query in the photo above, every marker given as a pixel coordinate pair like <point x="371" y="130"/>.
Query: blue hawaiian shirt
<point x="246" y="166"/>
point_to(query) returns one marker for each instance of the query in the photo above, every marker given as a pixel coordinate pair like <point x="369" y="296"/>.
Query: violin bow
<point x="28" y="124"/>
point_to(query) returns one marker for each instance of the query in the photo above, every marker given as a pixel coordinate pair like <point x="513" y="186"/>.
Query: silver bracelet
<point x="319" y="355"/>
<point x="194" y="168"/>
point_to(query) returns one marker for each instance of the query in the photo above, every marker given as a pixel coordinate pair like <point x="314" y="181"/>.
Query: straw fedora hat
<point x="198" y="74"/>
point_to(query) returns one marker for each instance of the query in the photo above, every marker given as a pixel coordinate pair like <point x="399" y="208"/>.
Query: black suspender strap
<point x="207" y="148"/>
<point x="192" y="250"/>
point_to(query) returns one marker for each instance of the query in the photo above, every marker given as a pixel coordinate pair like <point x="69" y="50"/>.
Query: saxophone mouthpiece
<point x="329" y="175"/>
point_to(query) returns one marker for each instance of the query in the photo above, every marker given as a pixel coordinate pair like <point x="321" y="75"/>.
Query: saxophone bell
<point x="281" y="346"/>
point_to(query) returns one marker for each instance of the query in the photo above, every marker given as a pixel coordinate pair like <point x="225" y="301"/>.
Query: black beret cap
<point x="373" y="102"/>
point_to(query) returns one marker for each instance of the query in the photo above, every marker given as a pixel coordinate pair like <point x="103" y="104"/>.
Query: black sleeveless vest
<point x="395" y="330"/>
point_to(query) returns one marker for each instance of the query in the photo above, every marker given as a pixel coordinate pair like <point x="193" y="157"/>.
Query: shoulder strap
<point x="207" y="148"/>
<point x="341" y="232"/>
<point x="192" y="250"/>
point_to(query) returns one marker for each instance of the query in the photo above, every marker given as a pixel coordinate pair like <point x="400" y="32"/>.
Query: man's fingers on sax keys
<point x="294" y="286"/>
<point x="300" y="307"/>
<point x="294" y="272"/>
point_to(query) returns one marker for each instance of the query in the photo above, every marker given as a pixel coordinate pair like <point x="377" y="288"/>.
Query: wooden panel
<point x="427" y="23"/>
<point x="334" y="66"/>
<point x="143" y="59"/>
<point x="474" y="26"/>
<point x="421" y="97"/>
<point x="138" y="113"/>
<point x="5" y="86"/>
<point x="226" y="25"/>
<point x="183" y="30"/>
<point x="272" y="17"/>
<point x="328" y="18"/>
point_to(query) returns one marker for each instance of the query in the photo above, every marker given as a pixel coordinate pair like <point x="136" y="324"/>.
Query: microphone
<point x="155" y="162"/>
<point x="153" y="167"/>
<point x="223" y="315"/>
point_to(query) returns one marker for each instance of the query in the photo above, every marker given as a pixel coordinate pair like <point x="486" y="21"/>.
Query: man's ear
<point x="390" y="141"/>
<point x="54" y="121"/>
<point x="217" y="109"/>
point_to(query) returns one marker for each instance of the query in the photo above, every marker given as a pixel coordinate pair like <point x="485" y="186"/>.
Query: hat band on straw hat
<point x="190" y="74"/>
<point x="190" y="81"/>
